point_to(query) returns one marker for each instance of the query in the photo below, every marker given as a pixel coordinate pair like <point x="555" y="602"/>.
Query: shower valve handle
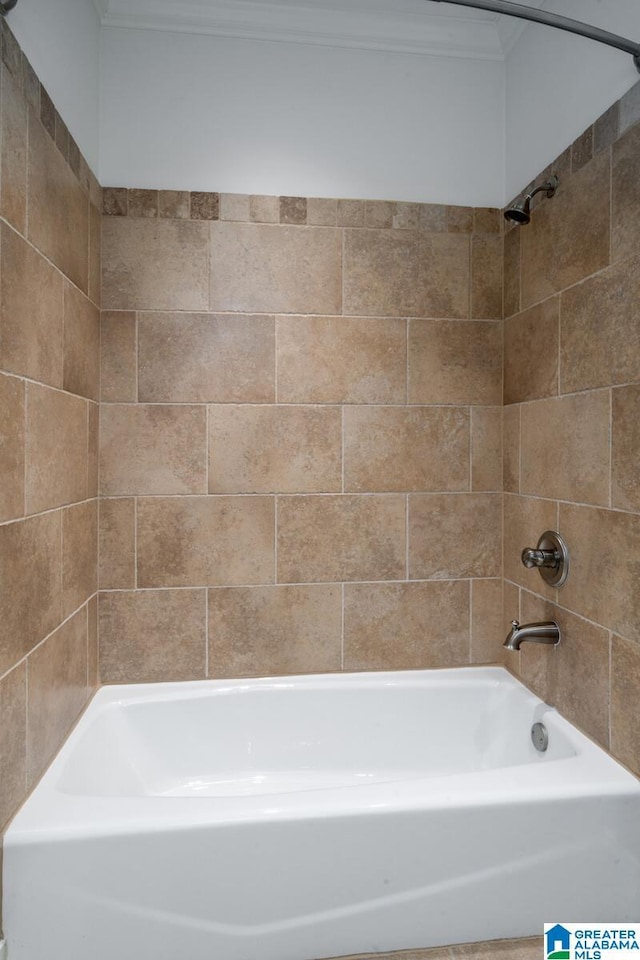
<point x="540" y="558"/>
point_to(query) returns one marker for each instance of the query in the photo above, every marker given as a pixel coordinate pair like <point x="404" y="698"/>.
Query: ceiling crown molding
<point x="402" y="26"/>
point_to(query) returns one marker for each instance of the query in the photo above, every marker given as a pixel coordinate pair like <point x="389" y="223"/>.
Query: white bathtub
<point x="309" y="817"/>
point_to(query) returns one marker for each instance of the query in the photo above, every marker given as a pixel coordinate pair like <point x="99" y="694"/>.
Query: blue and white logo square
<point x="557" y="942"/>
<point x="591" y="941"/>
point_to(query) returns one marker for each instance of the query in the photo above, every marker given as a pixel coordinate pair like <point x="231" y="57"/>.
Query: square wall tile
<point x="57" y="448"/>
<point x="274" y="631"/>
<point x="269" y="268"/>
<point x="577" y="669"/>
<point x="12" y="444"/>
<point x="398" y="273"/>
<point x="625" y="443"/>
<point x="81" y="344"/>
<point x="455" y="362"/>
<point x="488" y="628"/>
<point x="58" y="208"/>
<point x="206" y="358"/>
<point x="557" y="250"/>
<point x="95" y="255"/>
<point x="511" y="448"/>
<point x="451" y="535"/>
<point x="511" y="302"/>
<point x="486" y="277"/>
<point x="155" y="264"/>
<point x="13" y="741"/>
<point x="335" y="538"/>
<point x="604" y="547"/>
<point x="118" y="357"/>
<point x="149" y="636"/>
<point x="625" y="195"/>
<point x="152" y="449"/>
<point x="400" y="449"/>
<point x="406" y="626"/>
<point x="31" y="312"/>
<point x="58" y="690"/>
<point x="486" y="448"/>
<point x="13" y="165"/>
<point x="31" y="574"/>
<point x="117" y="544"/>
<point x="531" y="353"/>
<point x="565" y="448"/>
<point x="205" y="541"/>
<point x="275" y="449"/>
<point x="79" y="555"/>
<point x="600" y="329"/>
<point x="625" y="693"/>
<point x="341" y="360"/>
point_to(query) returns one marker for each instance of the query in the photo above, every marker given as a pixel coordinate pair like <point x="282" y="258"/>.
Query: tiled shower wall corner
<point x="49" y="390"/>
<point x="572" y="429"/>
<point x="300" y="461"/>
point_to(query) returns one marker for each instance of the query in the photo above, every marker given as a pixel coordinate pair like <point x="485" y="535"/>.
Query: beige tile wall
<point x="300" y="463"/>
<point x="572" y="408"/>
<point x="50" y="205"/>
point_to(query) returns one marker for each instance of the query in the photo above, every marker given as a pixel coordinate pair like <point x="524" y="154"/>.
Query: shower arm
<point x="554" y="20"/>
<point x="6" y="6"/>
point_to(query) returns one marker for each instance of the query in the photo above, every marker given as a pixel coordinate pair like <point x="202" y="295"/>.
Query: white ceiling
<point x="406" y="26"/>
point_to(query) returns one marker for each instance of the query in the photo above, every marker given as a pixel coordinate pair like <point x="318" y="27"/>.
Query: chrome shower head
<point x="520" y="211"/>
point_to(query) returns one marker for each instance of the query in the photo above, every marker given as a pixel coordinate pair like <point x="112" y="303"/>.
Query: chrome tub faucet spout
<point x="546" y="632"/>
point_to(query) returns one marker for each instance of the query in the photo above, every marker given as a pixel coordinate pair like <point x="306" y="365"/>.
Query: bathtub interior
<point x="154" y="834"/>
<point x="266" y="737"/>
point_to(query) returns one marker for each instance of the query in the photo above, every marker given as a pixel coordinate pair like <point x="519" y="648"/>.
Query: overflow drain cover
<point x="539" y="737"/>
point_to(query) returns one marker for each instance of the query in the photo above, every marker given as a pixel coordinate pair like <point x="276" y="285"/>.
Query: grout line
<point x="406" y="538"/>
<point x="610" y="152"/>
<point x="207" y="450"/>
<point x="298" y="583"/>
<point x="610" y="716"/>
<point x="558" y="603"/>
<point x="407" y="374"/>
<point x="299" y="315"/>
<point x="574" y="503"/>
<point x="276" y="365"/>
<point x="275" y="539"/>
<point x="342" y="446"/>
<point x="342" y="592"/>
<point x="559" y="359"/>
<point x="471" y="427"/>
<point x="323" y="403"/>
<point x="136" y="356"/>
<point x="342" y="267"/>
<point x="135" y="543"/>
<point x="26" y="657"/>
<point x="384" y="494"/>
<point x="206" y="634"/>
<point x="50" y="262"/>
<point x="519" y="448"/>
<point x="610" y="448"/>
<point x="27" y="751"/>
<point x="470" y="657"/>
<point x="88" y="456"/>
<point x="27" y="432"/>
<point x="87" y="644"/>
<point x="470" y="287"/>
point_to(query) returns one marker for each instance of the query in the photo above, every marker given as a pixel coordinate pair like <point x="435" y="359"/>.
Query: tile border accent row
<point x="610" y="127"/>
<point x="37" y="97"/>
<point x="299" y="211"/>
